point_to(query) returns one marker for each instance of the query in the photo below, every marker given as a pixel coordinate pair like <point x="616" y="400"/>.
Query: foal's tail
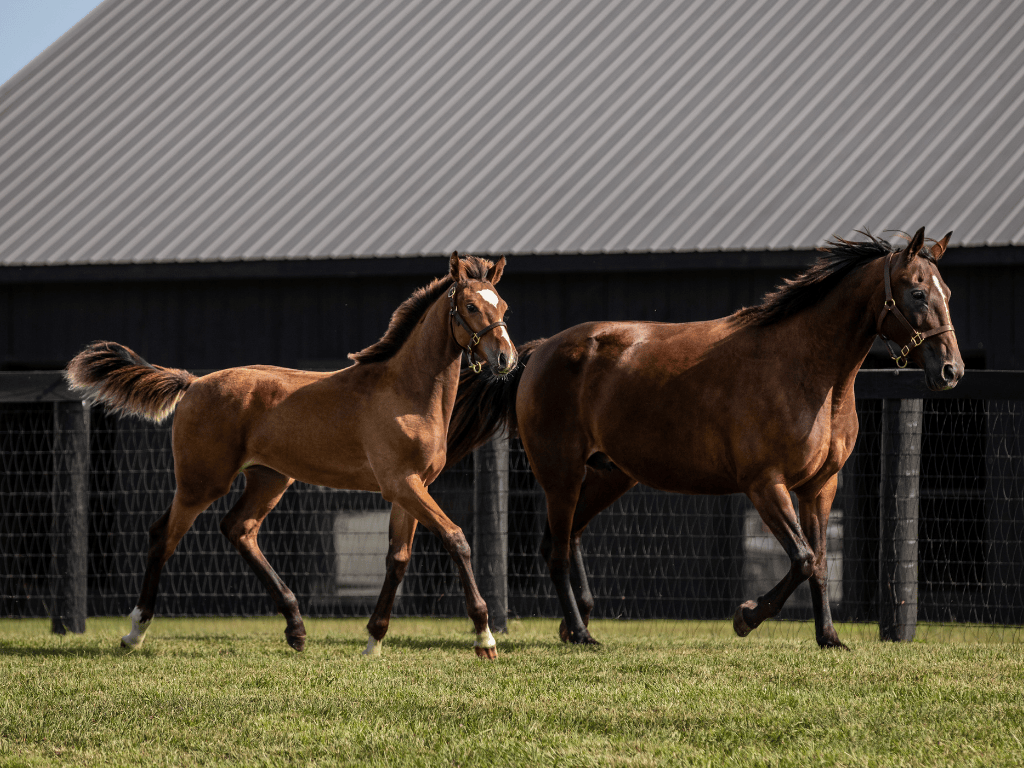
<point x="110" y="374"/>
<point x="485" y="405"/>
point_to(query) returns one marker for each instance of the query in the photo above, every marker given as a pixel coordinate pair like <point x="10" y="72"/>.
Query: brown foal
<point x="760" y="402"/>
<point x="378" y="425"/>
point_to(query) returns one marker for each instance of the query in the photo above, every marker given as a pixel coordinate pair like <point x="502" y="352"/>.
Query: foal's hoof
<point x="490" y="654"/>
<point x="739" y="623"/>
<point x="298" y="642"/>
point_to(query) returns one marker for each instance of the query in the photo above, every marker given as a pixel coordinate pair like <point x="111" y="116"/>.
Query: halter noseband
<point x="916" y="337"/>
<point x="475" y="337"/>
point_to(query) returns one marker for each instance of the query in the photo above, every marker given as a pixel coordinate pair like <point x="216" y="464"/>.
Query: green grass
<point x="230" y="692"/>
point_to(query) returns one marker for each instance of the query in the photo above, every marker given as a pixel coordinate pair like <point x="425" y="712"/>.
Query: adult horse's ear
<point x="915" y="244"/>
<point x="494" y="274"/>
<point x="940" y="247"/>
<point x="456" y="268"/>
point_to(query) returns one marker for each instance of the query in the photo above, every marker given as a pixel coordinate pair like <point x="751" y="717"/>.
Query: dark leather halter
<point x="475" y="337"/>
<point x="916" y="337"/>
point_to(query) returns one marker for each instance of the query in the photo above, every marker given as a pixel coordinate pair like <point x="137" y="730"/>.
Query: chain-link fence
<point x="650" y="555"/>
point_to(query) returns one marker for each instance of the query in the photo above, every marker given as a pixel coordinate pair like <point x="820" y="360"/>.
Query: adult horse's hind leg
<point x="401" y="530"/>
<point x="814" y="511"/>
<point x="164" y="536"/>
<point x="776" y="509"/>
<point x="264" y="487"/>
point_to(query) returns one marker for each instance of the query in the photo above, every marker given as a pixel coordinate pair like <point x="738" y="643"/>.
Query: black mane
<point x="839" y="258"/>
<point x="412" y="309"/>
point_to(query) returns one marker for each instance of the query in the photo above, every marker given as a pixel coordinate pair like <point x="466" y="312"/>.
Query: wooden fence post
<point x="70" y="532"/>
<point x="490" y="528"/>
<point x="899" y="506"/>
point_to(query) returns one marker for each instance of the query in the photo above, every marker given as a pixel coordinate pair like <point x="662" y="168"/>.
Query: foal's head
<point x="478" y="316"/>
<point x="919" y="293"/>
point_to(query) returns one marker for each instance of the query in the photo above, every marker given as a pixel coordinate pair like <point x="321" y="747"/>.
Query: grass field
<point x="230" y="692"/>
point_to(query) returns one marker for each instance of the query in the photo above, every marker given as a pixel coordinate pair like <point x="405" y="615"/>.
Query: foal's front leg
<point x="401" y="530"/>
<point x="411" y="495"/>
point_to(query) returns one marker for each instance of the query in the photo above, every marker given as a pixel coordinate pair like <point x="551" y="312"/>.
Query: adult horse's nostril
<point x="949" y="373"/>
<point x="502" y="360"/>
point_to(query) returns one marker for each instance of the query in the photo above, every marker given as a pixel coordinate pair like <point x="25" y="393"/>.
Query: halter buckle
<point x="915" y="340"/>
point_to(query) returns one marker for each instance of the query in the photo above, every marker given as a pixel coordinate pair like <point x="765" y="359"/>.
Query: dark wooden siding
<point x="217" y="321"/>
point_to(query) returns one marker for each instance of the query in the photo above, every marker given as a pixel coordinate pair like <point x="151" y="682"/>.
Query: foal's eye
<point x="471" y="308"/>
<point x="919" y="295"/>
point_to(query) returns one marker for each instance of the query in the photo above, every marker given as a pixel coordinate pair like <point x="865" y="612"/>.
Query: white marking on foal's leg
<point x="134" y="638"/>
<point x="489" y="296"/>
<point x="485" y="639"/>
<point x="373" y="647"/>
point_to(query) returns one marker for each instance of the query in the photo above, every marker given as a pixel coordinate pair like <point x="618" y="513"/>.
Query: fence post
<point x="490" y="528"/>
<point x="897" y="556"/>
<point x="70" y="531"/>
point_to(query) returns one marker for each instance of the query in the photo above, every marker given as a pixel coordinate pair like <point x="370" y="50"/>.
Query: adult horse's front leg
<point x="776" y="509"/>
<point x="814" y="511"/>
<point x="264" y="487"/>
<point x="411" y="494"/>
<point x="601" y="487"/>
<point x="401" y="530"/>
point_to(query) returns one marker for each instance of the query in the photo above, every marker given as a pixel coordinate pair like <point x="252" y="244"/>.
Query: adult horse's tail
<point x="484" y="405"/>
<point x="110" y="374"/>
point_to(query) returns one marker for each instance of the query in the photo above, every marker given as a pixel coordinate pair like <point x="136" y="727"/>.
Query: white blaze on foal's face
<point x="489" y="296"/>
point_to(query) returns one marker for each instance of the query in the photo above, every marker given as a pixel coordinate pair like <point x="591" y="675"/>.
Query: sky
<point x="29" y="27"/>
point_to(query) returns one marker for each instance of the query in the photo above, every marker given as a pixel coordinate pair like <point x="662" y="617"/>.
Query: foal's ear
<point x="915" y="244"/>
<point x="456" y="268"/>
<point x="494" y="274"/>
<point x="940" y="247"/>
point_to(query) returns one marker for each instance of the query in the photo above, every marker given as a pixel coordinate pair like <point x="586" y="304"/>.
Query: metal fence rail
<point x="928" y="525"/>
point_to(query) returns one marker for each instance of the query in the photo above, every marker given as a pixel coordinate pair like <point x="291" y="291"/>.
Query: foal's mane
<point x="411" y="310"/>
<point x="838" y="259"/>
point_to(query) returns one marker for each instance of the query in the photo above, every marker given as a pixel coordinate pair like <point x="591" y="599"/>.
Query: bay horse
<point x="378" y="425"/>
<point x="759" y="402"/>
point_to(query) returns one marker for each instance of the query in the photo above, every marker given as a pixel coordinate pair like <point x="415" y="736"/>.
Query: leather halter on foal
<point x="916" y="337"/>
<point x="475" y="337"/>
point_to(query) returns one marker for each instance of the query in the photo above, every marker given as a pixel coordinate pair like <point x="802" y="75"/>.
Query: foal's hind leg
<point x="164" y="536"/>
<point x="776" y="509"/>
<point x="401" y="530"/>
<point x="814" y="511"/>
<point x="264" y="487"/>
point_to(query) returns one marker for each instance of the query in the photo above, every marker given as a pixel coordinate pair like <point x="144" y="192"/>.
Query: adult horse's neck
<point x="427" y="365"/>
<point x="839" y="330"/>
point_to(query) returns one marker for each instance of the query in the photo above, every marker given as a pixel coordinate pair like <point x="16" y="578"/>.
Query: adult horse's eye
<point x="471" y="308"/>
<point x="919" y="295"/>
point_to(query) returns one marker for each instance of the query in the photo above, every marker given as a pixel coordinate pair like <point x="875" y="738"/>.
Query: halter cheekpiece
<point x="475" y="337"/>
<point x="916" y="337"/>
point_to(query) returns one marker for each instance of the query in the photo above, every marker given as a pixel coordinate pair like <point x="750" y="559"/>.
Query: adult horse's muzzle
<point x="942" y="364"/>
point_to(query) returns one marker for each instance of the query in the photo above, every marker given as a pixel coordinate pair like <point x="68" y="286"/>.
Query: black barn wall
<point x="210" y="316"/>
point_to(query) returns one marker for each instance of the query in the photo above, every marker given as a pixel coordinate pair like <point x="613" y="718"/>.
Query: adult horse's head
<point x="477" y="313"/>
<point x="914" y="321"/>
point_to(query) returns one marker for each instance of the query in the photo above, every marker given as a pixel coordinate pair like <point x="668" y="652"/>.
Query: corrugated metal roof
<point x="201" y="130"/>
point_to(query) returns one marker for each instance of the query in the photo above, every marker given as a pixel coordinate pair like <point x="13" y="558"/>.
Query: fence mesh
<point x="651" y="555"/>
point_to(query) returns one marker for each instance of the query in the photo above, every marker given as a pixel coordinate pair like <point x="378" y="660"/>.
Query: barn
<point x="218" y="183"/>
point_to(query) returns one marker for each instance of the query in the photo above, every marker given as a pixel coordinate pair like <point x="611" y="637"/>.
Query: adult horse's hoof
<point x="832" y="641"/>
<point x="490" y="654"/>
<point x="583" y="639"/>
<point x="298" y="642"/>
<point x="739" y="624"/>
